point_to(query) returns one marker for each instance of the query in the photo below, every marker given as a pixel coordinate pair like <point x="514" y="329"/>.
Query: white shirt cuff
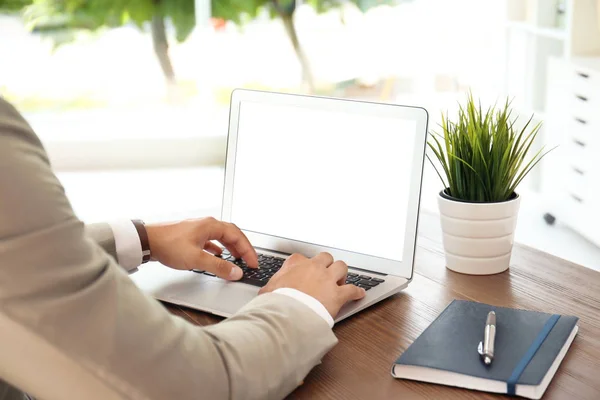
<point x="128" y="244"/>
<point x="308" y="300"/>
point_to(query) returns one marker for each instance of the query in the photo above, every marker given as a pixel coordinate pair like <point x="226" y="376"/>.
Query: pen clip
<point x="480" y="348"/>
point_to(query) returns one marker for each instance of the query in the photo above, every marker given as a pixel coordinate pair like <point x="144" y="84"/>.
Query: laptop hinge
<point x="368" y="271"/>
<point x="273" y="251"/>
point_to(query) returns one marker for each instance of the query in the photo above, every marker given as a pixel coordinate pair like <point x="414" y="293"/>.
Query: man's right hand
<point x="319" y="277"/>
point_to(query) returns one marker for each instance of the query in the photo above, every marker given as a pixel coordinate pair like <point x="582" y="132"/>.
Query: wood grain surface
<point x="369" y="342"/>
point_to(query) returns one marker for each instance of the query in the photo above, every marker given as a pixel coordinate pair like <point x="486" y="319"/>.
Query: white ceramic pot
<point x="478" y="237"/>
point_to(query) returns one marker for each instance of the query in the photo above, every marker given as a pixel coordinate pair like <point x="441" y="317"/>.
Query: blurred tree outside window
<point x="57" y="17"/>
<point x="95" y="70"/>
<point x="237" y="11"/>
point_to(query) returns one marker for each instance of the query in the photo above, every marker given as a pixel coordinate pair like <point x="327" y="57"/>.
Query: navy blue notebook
<point x="529" y="348"/>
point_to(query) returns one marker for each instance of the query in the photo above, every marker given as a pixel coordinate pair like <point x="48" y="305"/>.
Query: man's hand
<point x="318" y="277"/>
<point x="187" y="245"/>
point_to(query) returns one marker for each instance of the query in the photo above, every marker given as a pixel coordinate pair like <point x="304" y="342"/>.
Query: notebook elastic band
<point x="511" y="384"/>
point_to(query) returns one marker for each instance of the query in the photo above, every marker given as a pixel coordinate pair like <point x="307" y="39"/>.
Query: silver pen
<point x="486" y="348"/>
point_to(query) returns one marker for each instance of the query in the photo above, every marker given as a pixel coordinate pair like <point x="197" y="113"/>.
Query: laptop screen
<point x="330" y="178"/>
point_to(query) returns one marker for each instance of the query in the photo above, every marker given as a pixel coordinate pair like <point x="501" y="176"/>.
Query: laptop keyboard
<point x="269" y="265"/>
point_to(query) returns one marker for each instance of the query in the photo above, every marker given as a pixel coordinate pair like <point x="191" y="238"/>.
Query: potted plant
<point x="483" y="158"/>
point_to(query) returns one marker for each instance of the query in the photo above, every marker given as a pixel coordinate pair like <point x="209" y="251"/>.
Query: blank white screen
<point x="330" y="178"/>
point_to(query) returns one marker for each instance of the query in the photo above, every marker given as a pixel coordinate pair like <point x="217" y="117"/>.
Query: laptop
<point x="308" y="174"/>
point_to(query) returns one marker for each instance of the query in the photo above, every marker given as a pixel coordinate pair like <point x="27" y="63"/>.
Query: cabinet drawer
<point x="577" y="154"/>
<point x="573" y="208"/>
<point x="581" y="215"/>
<point x="576" y="184"/>
<point x="585" y="108"/>
<point x="585" y="83"/>
<point x="579" y="130"/>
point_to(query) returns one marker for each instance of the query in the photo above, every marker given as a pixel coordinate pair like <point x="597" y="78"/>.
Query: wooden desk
<point x="359" y="366"/>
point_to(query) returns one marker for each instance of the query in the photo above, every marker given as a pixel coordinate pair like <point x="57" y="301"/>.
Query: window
<point x="123" y="99"/>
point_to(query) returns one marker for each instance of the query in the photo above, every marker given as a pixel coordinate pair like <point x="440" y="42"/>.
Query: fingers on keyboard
<point x="269" y="265"/>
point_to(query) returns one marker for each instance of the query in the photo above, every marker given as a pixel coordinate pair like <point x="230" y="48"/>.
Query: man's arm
<point x="120" y="240"/>
<point x="103" y="235"/>
<point x="75" y="326"/>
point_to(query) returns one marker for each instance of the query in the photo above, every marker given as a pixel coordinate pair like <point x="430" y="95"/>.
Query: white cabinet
<point x="537" y="30"/>
<point x="553" y="72"/>
<point x="571" y="176"/>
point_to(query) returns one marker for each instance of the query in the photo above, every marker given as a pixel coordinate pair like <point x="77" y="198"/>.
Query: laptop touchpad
<point x="215" y="295"/>
<point x="194" y="290"/>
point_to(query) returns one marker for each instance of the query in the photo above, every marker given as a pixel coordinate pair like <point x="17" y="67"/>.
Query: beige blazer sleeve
<point x="74" y="326"/>
<point x="102" y="234"/>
